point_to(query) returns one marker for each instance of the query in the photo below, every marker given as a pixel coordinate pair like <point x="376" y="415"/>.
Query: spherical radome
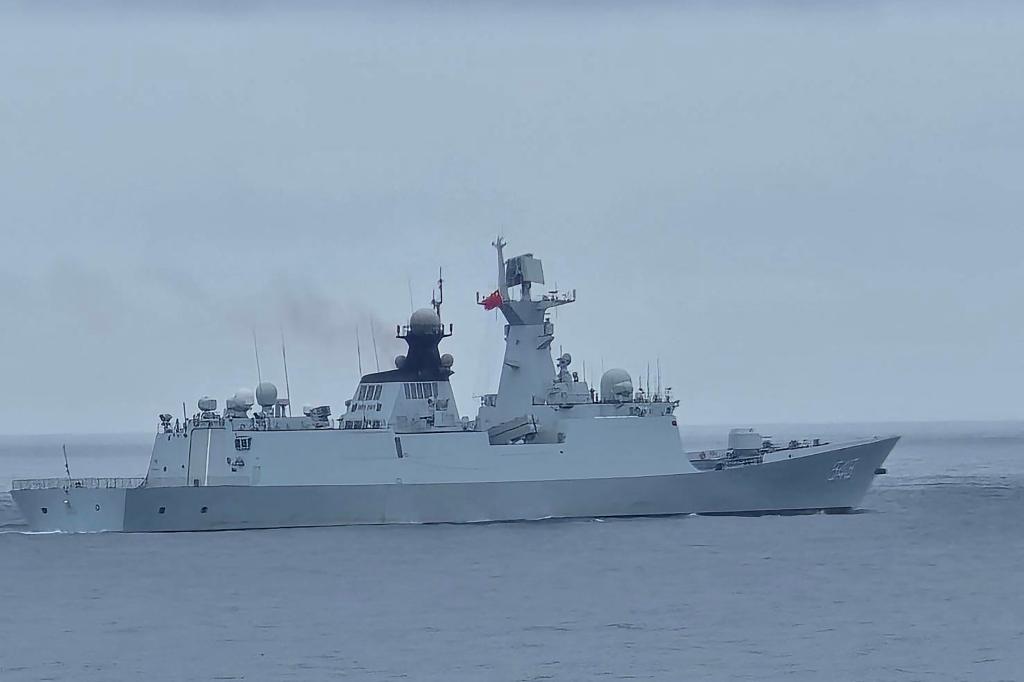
<point x="399" y="361"/>
<point x="447" y="360"/>
<point x="266" y="394"/>
<point x="243" y="396"/>
<point x="424" y="321"/>
<point x="207" y="404"/>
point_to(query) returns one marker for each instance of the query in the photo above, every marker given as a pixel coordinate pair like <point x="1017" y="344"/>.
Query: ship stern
<point x="76" y="506"/>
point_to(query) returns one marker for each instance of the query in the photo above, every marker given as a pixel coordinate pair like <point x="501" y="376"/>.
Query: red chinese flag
<point x="493" y="301"/>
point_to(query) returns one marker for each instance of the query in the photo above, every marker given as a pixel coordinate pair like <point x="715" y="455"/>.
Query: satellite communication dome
<point x="266" y="394"/>
<point x="567" y="359"/>
<point x="424" y="321"/>
<point x="207" y="404"/>
<point x="616" y="384"/>
<point x="447" y="360"/>
<point x="243" y="397"/>
<point x="399" y="361"/>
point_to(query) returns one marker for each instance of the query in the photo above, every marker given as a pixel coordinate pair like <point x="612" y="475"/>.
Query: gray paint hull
<point x="800" y="484"/>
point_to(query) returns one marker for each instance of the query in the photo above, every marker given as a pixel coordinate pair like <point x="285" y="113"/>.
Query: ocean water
<point x="924" y="583"/>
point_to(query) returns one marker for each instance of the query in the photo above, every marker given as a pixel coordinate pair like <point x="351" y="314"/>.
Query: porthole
<point x="165" y="468"/>
<point x="203" y="510"/>
<point x="97" y="507"/>
<point x="44" y="510"/>
<point x="161" y="510"/>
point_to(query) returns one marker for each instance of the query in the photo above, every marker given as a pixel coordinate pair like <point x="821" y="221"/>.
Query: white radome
<point x="424" y="321"/>
<point x="243" y="397"/>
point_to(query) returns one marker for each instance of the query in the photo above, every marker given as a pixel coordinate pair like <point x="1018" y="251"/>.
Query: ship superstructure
<point x="544" y="445"/>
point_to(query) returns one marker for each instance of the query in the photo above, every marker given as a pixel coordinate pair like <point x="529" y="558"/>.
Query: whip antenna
<point x="67" y="468"/>
<point x="373" y="337"/>
<point x="359" y="353"/>
<point x="287" y="388"/>
<point x="259" y="374"/>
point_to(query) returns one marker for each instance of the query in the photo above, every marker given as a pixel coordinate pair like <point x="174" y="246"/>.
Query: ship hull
<point x="835" y="479"/>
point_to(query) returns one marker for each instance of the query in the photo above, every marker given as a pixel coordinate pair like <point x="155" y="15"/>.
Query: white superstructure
<point x="545" y="445"/>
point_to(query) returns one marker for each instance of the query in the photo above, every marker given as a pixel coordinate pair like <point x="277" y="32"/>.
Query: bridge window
<point x="369" y="391"/>
<point x="421" y="390"/>
<point x="243" y="443"/>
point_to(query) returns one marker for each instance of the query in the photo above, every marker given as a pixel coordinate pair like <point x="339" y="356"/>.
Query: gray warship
<point x="545" y="445"/>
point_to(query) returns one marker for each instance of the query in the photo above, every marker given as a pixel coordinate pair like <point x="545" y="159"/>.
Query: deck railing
<point x="46" y="483"/>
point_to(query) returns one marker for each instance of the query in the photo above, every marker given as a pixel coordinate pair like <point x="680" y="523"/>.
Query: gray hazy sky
<point x="807" y="214"/>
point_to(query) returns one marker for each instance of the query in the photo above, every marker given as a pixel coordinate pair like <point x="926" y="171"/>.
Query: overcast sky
<point x="805" y="214"/>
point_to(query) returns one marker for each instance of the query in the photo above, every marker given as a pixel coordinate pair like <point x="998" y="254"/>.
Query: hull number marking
<point x="843" y="470"/>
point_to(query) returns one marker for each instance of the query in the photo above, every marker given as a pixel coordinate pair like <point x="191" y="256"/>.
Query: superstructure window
<point x="243" y="443"/>
<point x="369" y="391"/>
<point x="421" y="390"/>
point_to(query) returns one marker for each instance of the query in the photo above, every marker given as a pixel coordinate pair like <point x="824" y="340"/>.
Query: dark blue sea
<point x="925" y="582"/>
